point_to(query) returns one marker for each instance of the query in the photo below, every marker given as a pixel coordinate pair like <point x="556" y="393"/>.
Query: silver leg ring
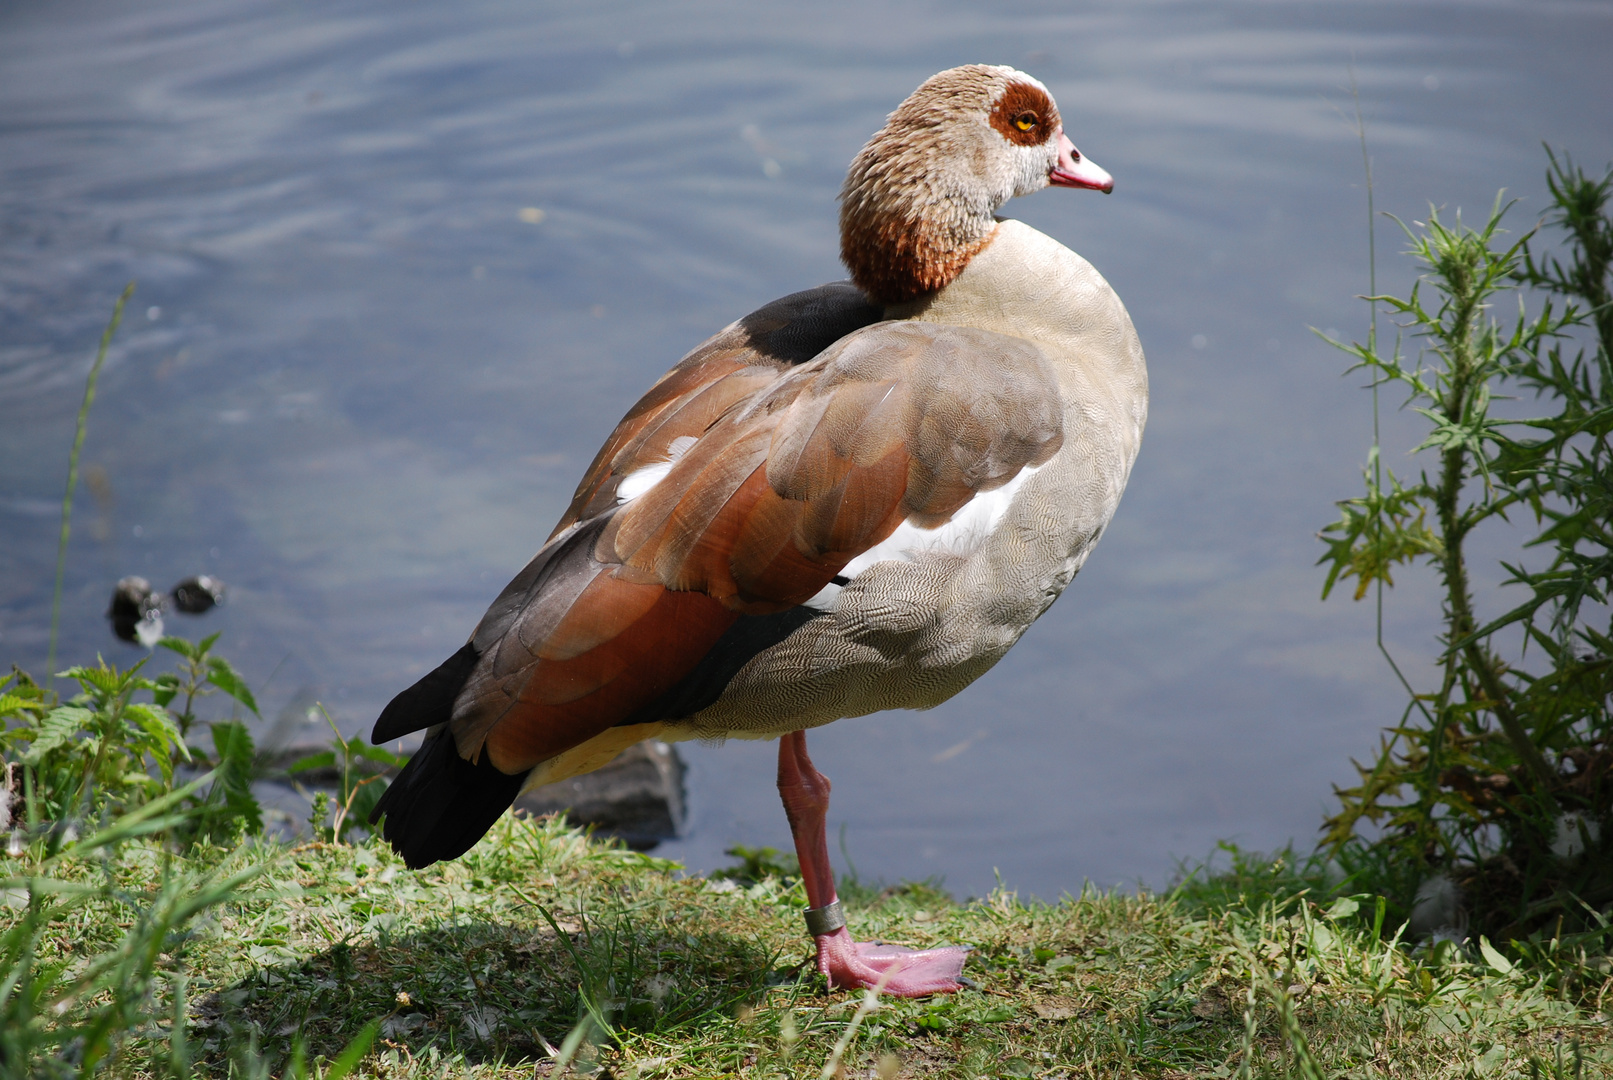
<point x="824" y="920"/>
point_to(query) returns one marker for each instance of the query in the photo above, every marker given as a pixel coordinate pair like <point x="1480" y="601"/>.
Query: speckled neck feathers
<point x="919" y="199"/>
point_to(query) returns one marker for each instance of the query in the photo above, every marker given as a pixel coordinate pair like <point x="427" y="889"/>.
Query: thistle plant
<point x="1489" y="770"/>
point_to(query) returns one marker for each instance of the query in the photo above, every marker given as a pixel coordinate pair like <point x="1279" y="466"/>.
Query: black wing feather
<point x="428" y="702"/>
<point x="441" y="804"/>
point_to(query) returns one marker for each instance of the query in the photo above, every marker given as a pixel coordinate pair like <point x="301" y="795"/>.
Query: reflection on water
<point x="402" y="268"/>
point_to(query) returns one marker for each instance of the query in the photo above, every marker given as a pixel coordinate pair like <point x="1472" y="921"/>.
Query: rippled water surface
<point x="401" y="267"/>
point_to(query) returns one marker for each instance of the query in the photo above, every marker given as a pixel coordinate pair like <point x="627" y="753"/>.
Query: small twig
<point x="347" y="807"/>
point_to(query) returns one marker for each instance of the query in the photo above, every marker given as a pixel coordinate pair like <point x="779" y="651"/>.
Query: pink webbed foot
<point x="904" y="972"/>
<point x="852" y="965"/>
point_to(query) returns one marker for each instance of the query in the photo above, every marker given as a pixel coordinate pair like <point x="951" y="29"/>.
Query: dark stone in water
<point x="638" y="798"/>
<point x="197" y="594"/>
<point x="135" y="611"/>
<point x="131" y="598"/>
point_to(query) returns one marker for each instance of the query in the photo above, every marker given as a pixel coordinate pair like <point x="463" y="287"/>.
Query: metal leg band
<point x="824" y="920"/>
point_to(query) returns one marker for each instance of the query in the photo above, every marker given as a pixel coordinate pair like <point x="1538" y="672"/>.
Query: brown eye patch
<point x="1025" y="115"/>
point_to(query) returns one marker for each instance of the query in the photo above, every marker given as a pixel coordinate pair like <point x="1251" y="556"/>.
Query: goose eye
<point x="1025" y="121"/>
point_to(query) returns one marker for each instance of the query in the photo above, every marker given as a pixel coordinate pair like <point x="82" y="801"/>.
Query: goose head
<point x="919" y="198"/>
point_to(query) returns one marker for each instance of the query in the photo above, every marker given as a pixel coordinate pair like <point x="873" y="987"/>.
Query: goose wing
<point x="761" y="486"/>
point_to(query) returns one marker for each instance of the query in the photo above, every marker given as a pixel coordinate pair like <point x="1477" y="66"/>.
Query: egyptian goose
<point x="855" y="498"/>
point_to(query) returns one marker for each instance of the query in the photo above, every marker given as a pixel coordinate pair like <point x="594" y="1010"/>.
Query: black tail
<point x="428" y="702"/>
<point x="440" y="804"/>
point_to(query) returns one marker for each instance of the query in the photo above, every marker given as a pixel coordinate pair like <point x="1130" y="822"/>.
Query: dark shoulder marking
<point x="812" y="320"/>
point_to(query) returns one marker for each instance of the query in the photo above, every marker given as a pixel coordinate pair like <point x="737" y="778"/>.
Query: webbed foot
<point x="905" y="972"/>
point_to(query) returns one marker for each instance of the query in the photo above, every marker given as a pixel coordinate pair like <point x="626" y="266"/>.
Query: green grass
<point x="541" y="944"/>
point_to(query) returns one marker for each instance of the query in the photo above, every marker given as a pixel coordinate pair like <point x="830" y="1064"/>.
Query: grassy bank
<point x="541" y="947"/>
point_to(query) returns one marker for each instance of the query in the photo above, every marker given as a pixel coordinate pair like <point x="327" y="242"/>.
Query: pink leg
<point x="844" y="962"/>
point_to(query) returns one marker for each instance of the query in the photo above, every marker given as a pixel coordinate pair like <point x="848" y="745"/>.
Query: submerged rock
<point x="197" y="594"/>
<point x="638" y="798"/>
<point x="136" y="611"/>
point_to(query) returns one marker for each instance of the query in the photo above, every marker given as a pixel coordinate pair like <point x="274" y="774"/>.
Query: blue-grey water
<point x="401" y="267"/>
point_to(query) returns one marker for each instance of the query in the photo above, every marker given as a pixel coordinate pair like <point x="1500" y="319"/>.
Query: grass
<point x="542" y="947"/>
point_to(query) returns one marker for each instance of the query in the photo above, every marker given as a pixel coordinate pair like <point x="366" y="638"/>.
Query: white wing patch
<point x="641" y="480"/>
<point x="963" y="535"/>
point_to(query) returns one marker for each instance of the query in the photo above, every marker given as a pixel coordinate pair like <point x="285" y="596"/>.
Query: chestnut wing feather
<point x="898" y="420"/>
<point x="784" y="486"/>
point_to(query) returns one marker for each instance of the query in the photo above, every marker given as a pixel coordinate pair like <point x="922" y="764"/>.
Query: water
<point x="358" y="384"/>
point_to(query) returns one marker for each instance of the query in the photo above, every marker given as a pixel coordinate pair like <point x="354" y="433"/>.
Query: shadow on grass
<point x="492" y="992"/>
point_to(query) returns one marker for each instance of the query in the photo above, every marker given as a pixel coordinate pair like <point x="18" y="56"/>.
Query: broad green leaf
<point x="221" y="675"/>
<point x="154" y="721"/>
<point x="57" y="729"/>
<point x="165" y="688"/>
<point x="1322" y="937"/>
<point x="360" y="748"/>
<point x="1343" y="908"/>
<point x="179" y="645"/>
<point x="162" y="737"/>
<point x="324" y="760"/>
<point x="103" y="679"/>
<point x="1493" y="957"/>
